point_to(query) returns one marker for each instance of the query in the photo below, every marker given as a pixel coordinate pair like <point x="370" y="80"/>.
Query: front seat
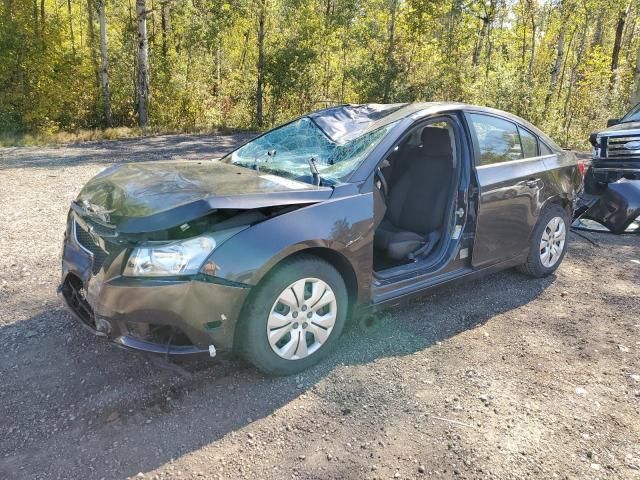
<point x="418" y="199"/>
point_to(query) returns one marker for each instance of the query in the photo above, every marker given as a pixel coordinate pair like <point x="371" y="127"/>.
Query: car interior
<point x="416" y="181"/>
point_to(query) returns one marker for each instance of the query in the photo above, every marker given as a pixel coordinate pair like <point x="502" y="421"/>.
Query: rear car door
<point x="510" y="174"/>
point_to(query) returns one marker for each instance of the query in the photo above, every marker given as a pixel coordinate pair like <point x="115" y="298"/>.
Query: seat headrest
<point x="436" y="142"/>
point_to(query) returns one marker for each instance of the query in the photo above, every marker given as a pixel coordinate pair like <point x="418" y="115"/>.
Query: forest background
<point x="81" y="69"/>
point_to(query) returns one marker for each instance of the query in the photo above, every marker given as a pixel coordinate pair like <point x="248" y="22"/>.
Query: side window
<point x="544" y="149"/>
<point x="498" y="139"/>
<point x="529" y="143"/>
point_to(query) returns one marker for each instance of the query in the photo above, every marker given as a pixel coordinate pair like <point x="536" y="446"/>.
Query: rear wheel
<point x="295" y="317"/>
<point x="548" y="243"/>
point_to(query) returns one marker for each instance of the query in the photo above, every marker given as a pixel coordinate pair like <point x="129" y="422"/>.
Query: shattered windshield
<point x="287" y="150"/>
<point x="633" y="115"/>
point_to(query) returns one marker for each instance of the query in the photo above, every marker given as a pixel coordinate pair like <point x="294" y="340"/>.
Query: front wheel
<point x="295" y="316"/>
<point x="548" y="243"/>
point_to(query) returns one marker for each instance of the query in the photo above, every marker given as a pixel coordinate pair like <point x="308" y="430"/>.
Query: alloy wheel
<point x="552" y="242"/>
<point x="302" y="318"/>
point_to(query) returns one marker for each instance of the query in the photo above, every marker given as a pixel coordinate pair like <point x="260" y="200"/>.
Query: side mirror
<point x="613" y="121"/>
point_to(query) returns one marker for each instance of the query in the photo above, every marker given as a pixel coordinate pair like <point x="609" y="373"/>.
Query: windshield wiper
<point x="314" y="172"/>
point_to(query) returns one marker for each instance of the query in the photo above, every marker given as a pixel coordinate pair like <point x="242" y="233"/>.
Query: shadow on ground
<point x="116" y="413"/>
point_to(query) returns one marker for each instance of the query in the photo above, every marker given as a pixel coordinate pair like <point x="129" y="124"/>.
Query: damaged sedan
<point x="270" y="249"/>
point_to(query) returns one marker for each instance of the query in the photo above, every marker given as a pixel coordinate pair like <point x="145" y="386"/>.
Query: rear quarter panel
<point x="563" y="180"/>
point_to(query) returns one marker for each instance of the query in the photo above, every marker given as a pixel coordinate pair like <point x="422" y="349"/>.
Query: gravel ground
<point x="505" y="377"/>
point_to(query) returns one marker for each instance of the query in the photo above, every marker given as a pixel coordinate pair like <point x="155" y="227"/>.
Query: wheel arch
<point x="332" y="257"/>
<point x="562" y="200"/>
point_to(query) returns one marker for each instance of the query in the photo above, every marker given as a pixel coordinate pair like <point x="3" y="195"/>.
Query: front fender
<point x="344" y="225"/>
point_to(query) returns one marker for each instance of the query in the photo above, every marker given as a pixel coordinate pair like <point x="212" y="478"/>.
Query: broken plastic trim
<point x="618" y="206"/>
<point x="150" y="347"/>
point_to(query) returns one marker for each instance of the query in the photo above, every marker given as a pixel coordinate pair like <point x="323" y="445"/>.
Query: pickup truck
<point x="612" y="181"/>
<point x="616" y="150"/>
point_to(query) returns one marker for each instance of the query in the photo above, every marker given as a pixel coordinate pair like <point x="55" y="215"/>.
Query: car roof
<point x="373" y="115"/>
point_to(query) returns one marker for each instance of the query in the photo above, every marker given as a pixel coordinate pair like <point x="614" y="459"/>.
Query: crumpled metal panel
<point x="346" y="122"/>
<point x="151" y="196"/>
<point x="617" y="207"/>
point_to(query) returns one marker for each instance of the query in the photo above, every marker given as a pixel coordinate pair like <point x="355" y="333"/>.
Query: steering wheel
<point x="383" y="187"/>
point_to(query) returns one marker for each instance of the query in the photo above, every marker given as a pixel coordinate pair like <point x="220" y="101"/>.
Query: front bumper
<point x="174" y="316"/>
<point x="610" y="170"/>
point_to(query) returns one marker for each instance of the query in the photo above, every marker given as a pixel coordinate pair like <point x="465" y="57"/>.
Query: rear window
<point x="544" y="149"/>
<point x="529" y="143"/>
<point x="498" y="139"/>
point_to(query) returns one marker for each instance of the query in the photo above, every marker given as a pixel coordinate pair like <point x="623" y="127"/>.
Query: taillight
<point x="581" y="167"/>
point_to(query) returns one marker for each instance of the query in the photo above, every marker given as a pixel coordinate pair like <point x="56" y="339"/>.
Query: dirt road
<point x="504" y="377"/>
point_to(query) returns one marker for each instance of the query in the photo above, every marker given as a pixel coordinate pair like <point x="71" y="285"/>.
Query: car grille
<point x="87" y="242"/>
<point x="616" y="147"/>
<point x="76" y="297"/>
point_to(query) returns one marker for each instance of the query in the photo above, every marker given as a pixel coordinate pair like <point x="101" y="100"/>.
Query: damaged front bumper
<point x="617" y="207"/>
<point x="182" y="315"/>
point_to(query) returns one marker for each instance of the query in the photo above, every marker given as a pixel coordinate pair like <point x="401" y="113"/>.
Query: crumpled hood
<point x="151" y="196"/>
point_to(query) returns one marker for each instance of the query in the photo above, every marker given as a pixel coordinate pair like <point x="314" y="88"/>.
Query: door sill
<point x="384" y="292"/>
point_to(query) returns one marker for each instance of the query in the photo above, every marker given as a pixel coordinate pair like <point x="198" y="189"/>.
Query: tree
<point x="142" y="86"/>
<point x="71" y="35"/>
<point x="635" y="97"/>
<point x="615" y="54"/>
<point x="390" y="61"/>
<point x="262" y="13"/>
<point x="566" y="65"/>
<point x="104" y="68"/>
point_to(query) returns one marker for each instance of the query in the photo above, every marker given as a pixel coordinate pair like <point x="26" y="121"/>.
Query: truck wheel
<point x="295" y="317"/>
<point x="548" y="243"/>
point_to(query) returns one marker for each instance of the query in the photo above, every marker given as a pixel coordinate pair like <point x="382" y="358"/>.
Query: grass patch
<point x="96" y="135"/>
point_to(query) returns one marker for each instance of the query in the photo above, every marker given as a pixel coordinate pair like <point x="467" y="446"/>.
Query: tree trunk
<point x="143" y="64"/>
<point x="104" y="68"/>
<point x="42" y="15"/>
<point x="533" y="38"/>
<point x="73" y="40"/>
<point x="477" y="51"/>
<point x="36" y="24"/>
<point x="574" y="75"/>
<point x="245" y="44"/>
<point x="390" y="61"/>
<point x="598" y="33"/>
<point x="615" y="54"/>
<point x="152" y="11"/>
<point x="165" y="13"/>
<point x="635" y="97"/>
<point x="218" y="66"/>
<point x="564" y="64"/>
<point x="261" y="33"/>
<point x="555" y="71"/>
<point x="92" y="40"/>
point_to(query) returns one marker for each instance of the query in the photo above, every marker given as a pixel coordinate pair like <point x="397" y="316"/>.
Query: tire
<point x="276" y="303"/>
<point x="538" y="264"/>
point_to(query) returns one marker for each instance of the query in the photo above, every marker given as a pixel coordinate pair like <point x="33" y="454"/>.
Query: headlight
<point x="184" y="257"/>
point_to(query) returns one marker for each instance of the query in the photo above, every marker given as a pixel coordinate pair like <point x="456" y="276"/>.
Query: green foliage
<point x="203" y="58"/>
